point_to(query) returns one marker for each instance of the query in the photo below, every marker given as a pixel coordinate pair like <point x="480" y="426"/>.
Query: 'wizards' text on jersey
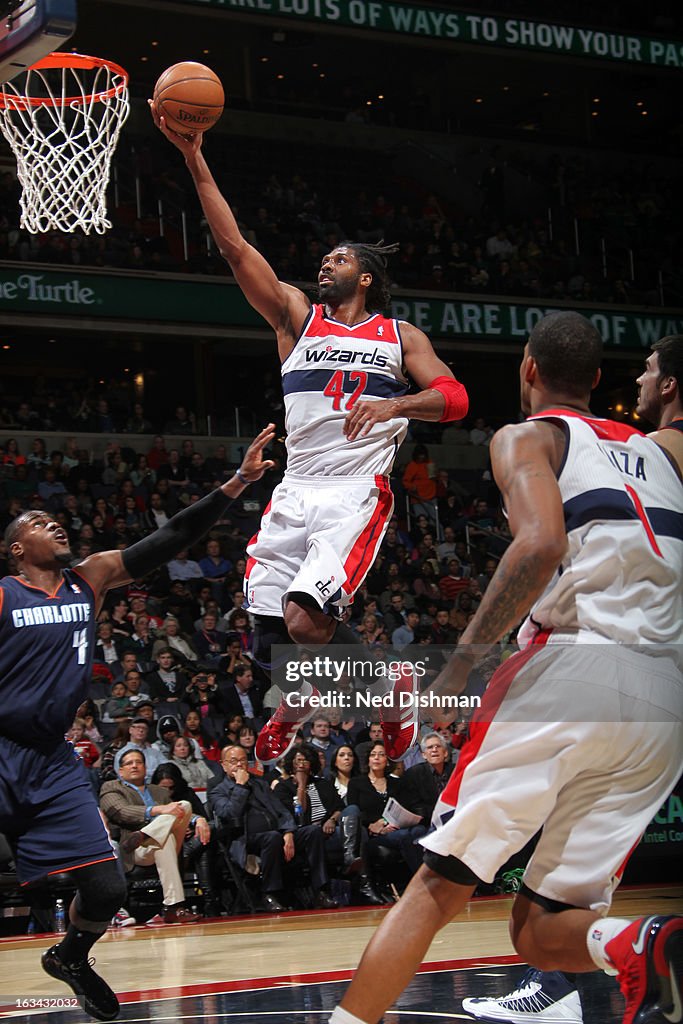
<point x="46" y="654"/>
<point x="332" y="367"/>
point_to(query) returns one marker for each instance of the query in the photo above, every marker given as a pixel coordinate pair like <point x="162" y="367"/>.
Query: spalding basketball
<point x="190" y="97"/>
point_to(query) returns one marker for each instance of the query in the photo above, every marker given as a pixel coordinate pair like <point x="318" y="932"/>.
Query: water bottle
<point x="298" y="811"/>
<point x="59" y="916"/>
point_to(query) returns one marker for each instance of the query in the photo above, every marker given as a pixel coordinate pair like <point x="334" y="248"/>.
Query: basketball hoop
<point x="62" y="118"/>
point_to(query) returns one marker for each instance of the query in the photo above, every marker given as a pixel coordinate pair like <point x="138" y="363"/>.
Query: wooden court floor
<point x="292" y="968"/>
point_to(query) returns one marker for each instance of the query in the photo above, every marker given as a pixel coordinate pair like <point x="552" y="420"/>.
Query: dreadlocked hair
<point x="372" y="259"/>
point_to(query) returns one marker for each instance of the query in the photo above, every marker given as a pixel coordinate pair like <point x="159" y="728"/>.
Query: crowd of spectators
<point x="499" y="242"/>
<point x="103" y="408"/>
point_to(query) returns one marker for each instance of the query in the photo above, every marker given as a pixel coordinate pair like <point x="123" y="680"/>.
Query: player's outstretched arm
<point x="442" y="398"/>
<point x="280" y="304"/>
<point x="108" y="569"/>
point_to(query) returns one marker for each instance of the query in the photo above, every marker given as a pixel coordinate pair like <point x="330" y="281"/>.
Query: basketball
<point x="190" y="97"/>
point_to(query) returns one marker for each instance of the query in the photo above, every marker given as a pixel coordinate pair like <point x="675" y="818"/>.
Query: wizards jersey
<point x="622" y="575"/>
<point x="46" y="654"/>
<point x="332" y="367"/>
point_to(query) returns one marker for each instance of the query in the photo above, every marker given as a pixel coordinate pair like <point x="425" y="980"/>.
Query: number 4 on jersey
<point x="335" y="388"/>
<point x="81" y="643"/>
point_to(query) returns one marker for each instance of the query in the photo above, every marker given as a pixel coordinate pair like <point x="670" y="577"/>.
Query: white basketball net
<point x="63" y="124"/>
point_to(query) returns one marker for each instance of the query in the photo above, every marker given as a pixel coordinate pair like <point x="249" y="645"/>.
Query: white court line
<point x="283" y="1013"/>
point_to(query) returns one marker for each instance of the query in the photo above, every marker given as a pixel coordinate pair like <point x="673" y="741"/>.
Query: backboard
<point x="30" y="29"/>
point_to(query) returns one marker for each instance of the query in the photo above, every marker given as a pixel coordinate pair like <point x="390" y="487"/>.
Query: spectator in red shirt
<point x="193" y="730"/>
<point x="87" y="751"/>
<point x="454" y="582"/>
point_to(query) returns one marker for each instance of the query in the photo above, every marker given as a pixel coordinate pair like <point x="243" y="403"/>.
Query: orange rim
<point x="66" y="60"/>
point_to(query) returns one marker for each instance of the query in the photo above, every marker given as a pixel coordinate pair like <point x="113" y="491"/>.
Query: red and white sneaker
<point x="278" y="734"/>
<point x="649" y="957"/>
<point x="400" y="720"/>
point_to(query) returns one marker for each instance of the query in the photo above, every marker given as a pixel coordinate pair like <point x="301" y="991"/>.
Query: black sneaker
<point x="95" y="996"/>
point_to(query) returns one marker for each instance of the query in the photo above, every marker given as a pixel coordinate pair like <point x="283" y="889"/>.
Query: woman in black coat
<point x="370" y="792"/>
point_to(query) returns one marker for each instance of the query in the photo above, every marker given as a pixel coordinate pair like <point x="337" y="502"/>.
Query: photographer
<point x="202" y="695"/>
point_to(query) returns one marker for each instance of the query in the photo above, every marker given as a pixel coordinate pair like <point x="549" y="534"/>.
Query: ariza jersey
<point x="332" y="367"/>
<point x="46" y="655"/>
<point x="621" y="578"/>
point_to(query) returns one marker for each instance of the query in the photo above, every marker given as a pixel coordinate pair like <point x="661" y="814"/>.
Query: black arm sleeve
<point x="180" y="532"/>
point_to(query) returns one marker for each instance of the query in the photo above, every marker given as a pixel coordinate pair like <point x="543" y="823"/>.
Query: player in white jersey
<point x="344" y="369"/>
<point x="326" y="521"/>
<point x="544" y="996"/>
<point x="582" y="739"/>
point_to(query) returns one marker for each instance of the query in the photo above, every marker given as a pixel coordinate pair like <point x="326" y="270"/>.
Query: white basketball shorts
<point x="585" y="741"/>
<point x="319" y="537"/>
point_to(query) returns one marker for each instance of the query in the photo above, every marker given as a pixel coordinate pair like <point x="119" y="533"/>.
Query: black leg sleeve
<point x="269" y="630"/>
<point x="101" y="892"/>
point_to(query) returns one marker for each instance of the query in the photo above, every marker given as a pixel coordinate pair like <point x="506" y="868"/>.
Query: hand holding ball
<point x="190" y="97"/>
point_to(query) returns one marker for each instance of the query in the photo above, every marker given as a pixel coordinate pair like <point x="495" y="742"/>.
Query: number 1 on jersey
<point x="335" y="388"/>
<point x="642" y="515"/>
<point x="81" y="644"/>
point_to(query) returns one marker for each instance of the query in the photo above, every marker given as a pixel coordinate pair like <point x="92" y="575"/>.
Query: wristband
<point x="241" y="477"/>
